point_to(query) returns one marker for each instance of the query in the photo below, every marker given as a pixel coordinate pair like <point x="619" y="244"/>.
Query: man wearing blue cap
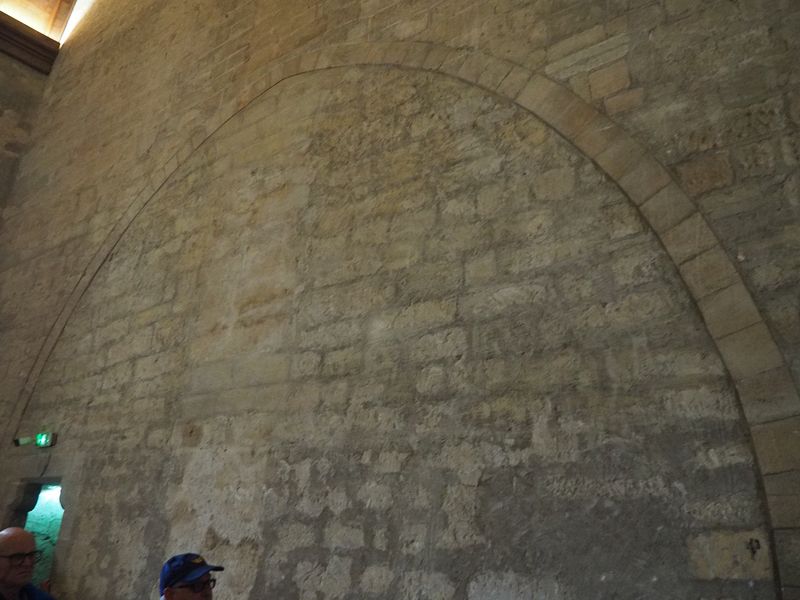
<point x="187" y="577"/>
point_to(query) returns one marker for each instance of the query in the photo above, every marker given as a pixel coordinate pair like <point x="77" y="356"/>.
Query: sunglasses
<point x="199" y="586"/>
<point x="19" y="558"/>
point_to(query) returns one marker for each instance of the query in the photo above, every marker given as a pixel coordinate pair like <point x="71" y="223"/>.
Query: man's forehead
<point x="17" y="541"/>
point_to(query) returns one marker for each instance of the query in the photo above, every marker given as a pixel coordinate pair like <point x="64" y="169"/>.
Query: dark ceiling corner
<point x="27" y="45"/>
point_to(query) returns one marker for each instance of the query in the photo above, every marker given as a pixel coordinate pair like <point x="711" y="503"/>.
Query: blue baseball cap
<point x="184" y="568"/>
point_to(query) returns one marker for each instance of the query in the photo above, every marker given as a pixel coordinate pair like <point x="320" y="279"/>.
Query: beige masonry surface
<point x="399" y="360"/>
<point x="20" y="92"/>
<point x="736" y="161"/>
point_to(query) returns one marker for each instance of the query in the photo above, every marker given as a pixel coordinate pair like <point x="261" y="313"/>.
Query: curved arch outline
<point x="744" y="342"/>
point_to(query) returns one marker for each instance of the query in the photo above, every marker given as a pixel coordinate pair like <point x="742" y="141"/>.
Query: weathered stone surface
<point x="20" y="92"/>
<point x="688" y="238"/>
<point x="728" y="311"/>
<point x="708" y="273"/>
<point x="705" y="173"/>
<point x="624" y="101"/>
<point x="728" y="555"/>
<point x="379" y="391"/>
<point x="769" y="396"/>
<point x="750" y="351"/>
<point x="777" y="445"/>
<point x="787" y="547"/>
<point x="609" y="80"/>
<point x="186" y="284"/>
<point x="667" y="208"/>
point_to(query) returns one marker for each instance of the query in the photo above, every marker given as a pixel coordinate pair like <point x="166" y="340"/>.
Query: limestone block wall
<point x="21" y="89"/>
<point x="386" y="335"/>
<point x="689" y="108"/>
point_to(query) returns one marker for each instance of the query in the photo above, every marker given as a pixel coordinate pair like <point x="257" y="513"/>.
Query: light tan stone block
<point x="454" y="61"/>
<point x="750" y="351"/>
<point x="436" y="57"/>
<point x="495" y="72"/>
<point x="645" y="179"/>
<point x="577" y="42"/>
<point x="666" y="209"/>
<point x="710" y="272"/>
<point x="689" y="238"/>
<point x="729" y="310"/>
<point x="624" y="101"/>
<point x="705" y="173"/>
<point x="599" y="134"/>
<point x="513" y="83"/>
<point x="609" y="80"/>
<point x="556" y="105"/>
<point x="727" y="555"/>
<point x="417" y="54"/>
<point x="473" y="66"/>
<point x="589" y="58"/>
<point x="620" y="157"/>
<point x="784" y="511"/>
<point x="778" y="445"/>
<point x="769" y="396"/>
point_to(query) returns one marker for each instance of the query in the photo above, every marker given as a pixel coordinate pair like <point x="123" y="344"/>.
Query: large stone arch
<point x="712" y="279"/>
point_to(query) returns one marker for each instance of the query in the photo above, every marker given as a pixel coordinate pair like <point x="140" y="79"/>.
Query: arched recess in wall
<point x="739" y="331"/>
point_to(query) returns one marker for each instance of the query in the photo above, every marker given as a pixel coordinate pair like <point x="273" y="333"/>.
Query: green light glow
<point x="44" y="522"/>
<point x="44" y="439"/>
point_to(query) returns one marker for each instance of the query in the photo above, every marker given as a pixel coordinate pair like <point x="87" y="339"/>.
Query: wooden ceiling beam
<point x="27" y="45"/>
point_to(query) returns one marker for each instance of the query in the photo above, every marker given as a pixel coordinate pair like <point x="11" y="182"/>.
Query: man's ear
<point x="169" y="594"/>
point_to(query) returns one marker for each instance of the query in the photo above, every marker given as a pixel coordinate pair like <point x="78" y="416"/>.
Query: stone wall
<point x="21" y="89"/>
<point x="146" y="384"/>
<point x="385" y="334"/>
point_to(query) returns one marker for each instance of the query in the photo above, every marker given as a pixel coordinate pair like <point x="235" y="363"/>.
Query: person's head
<point x="18" y="555"/>
<point x="187" y="577"/>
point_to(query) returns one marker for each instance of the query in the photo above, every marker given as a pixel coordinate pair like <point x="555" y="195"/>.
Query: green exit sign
<point x="43" y="439"/>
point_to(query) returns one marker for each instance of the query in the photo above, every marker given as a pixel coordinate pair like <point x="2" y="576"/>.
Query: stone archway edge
<point x="742" y="337"/>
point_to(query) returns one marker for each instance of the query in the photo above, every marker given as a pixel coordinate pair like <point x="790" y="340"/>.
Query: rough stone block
<point x="727" y="555"/>
<point x="710" y="272"/>
<point x="341" y="362"/>
<point x="705" y="173"/>
<point x="624" y="101"/>
<point x="644" y="180"/>
<point x="474" y="66"/>
<point x="787" y="548"/>
<point x="599" y="134"/>
<point x="689" y="238"/>
<point x="453" y="62"/>
<point x="620" y="157"/>
<point x="778" y="445"/>
<point x="729" y="310"/>
<point x="755" y="160"/>
<point x="783" y="484"/>
<point x="556" y="105"/>
<point x="436" y="57"/>
<point x="791" y="593"/>
<point x="417" y="54"/>
<point x="750" y="351"/>
<point x="769" y="396"/>
<point x="609" y="80"/>
<point x="261" y="368"/>
<point x="494" y="73"/>
<point x="449" y="343"/>
<point x="577" y="42"/>
<point x="513" y="83"/>
<point x="590" y="58"/>
<point x="784" y="510"/>
<point x="666" y="209"/>
<point x="376" y="579"/>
